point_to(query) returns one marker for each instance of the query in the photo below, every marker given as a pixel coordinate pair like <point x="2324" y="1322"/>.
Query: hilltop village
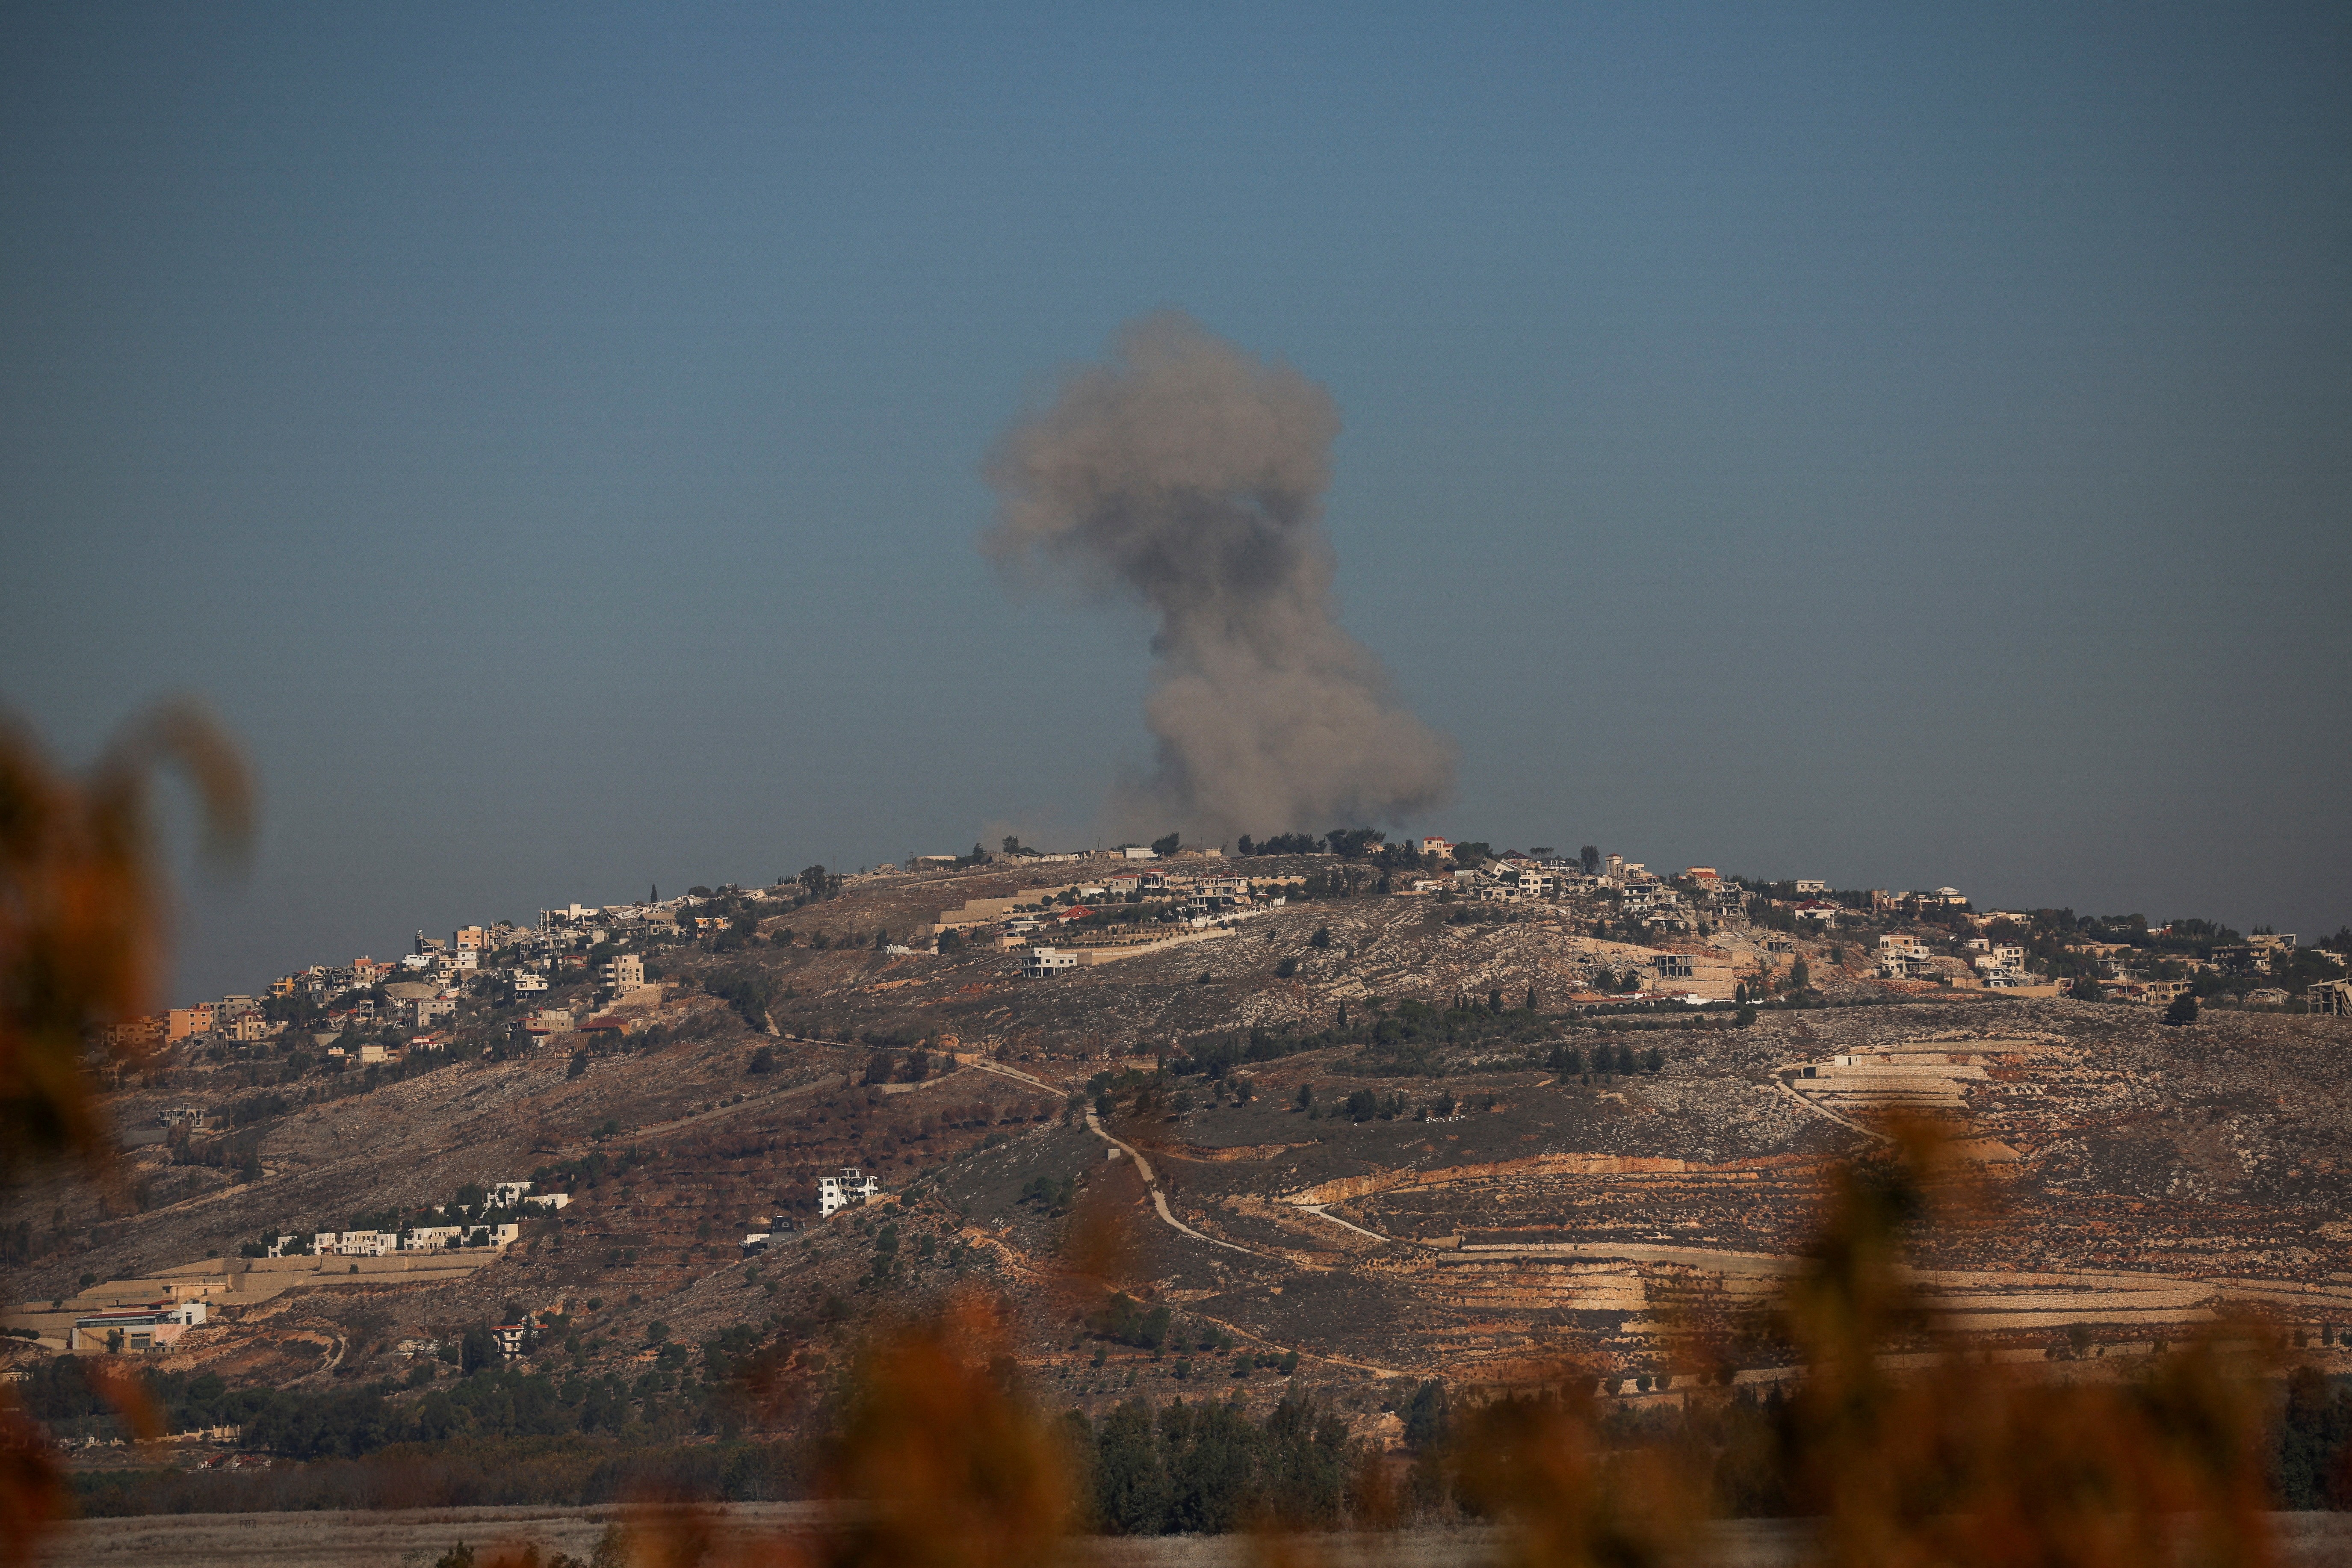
<point x="1365" y="1117"/>
<point x="1694" y="937"/>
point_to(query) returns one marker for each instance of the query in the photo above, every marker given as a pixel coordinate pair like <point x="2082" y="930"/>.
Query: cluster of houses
<point x="1061" y="929"/>
<point x="2121" y="979"/>
<point x="1076" y="923"/>
<point x="506" y="1197"/>
<point x="1700" y="894"/>
<point x="2120" y="973"/>
<point x="421" y="990"/>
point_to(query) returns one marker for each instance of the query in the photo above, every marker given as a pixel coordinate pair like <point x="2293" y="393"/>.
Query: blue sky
<point x="1896" y="444"/>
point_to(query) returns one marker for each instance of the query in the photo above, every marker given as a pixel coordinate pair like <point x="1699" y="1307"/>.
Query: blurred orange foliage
<point x="82" y="916"/>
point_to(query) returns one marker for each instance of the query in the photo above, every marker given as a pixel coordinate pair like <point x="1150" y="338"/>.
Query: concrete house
<point x="852" y="1186"/>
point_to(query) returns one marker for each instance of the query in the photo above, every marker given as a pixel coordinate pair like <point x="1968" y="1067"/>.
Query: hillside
<point x="1510" y="1184"/>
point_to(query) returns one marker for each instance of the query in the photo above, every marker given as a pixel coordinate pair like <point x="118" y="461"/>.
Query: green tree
<point x="1131" y="1486"/>
<point x="2183" y="1009"/>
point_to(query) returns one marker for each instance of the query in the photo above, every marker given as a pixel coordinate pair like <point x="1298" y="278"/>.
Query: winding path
<point x="1159" y="1198"/>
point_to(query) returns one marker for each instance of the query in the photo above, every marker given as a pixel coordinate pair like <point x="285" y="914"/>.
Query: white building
<point x="548" y="1200"/>
<point x="852" y="1186"/>
<point x="624" y="971"/>
<point x="2001" y="963"/>
<point x="506" y="1194"/>
<point x="1040" y="961"/>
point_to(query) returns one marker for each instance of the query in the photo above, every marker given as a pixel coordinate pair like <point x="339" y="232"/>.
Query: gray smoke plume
<point x="1191" y="476"/>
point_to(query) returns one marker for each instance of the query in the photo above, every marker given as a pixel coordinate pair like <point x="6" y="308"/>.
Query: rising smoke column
<point x="1191" y="476"/>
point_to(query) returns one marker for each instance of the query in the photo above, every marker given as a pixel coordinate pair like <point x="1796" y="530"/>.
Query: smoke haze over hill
<point x="1190" y="476"/>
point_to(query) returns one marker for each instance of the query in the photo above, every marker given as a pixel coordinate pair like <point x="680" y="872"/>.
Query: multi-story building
<point x="182" y="1022"/>
<point x="1903" y="958"/>
<point x="1998" y="965"/>
<point x="851" y="1187"/>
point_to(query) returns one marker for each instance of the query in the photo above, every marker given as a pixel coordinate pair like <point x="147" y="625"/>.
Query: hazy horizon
<point x="1906" y="449"/>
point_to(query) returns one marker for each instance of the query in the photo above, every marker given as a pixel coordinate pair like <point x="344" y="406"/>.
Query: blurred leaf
<point x="82" y="916"/>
